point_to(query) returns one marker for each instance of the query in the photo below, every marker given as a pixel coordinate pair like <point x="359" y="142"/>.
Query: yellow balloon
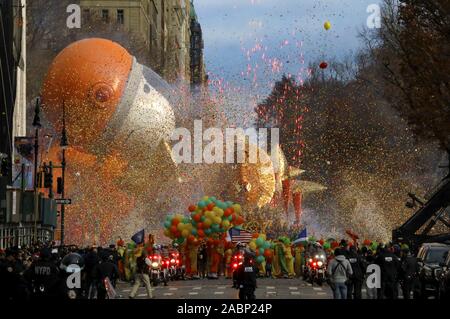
<point x="179" y="217"/>
<point x="237" y="208"/>
<point x="166" y="232"/>
<point x="252" y="245"/>
<point x="180" y="226"/>
<point x="207" y="222"/>
<point x="226" y="224"/>
<point x="205" y="198"/>
<point x="263" y="236"/>
<point x="217" y="220"/>
<point x="219" y="212"/>
<point x="185" y="233"/>
<point x="327" y="25"/>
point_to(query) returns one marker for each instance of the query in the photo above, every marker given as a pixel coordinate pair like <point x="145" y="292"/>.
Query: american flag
<point x="239" y="235"/>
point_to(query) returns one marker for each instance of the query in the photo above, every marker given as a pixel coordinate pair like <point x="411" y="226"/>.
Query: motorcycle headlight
<point x="322" y="256"/>
<point x="317" y="257"/>
<point x="319" y="263"/>
<point x="155" y="264"/>
<point x="310" y="260"/>
<point x="172" y="261"/>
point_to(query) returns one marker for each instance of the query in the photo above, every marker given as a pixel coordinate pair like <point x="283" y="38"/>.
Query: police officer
<point x="409" y="273"/>
<point x="390" y="266"/>
<point x="246" y="278"/>
<point x="103" y="270"/>
<point x="43" y="276"/>
<point x="354" y="286"/>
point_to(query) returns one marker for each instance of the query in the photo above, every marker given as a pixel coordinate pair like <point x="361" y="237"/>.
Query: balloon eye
<point x="101" y="93"/>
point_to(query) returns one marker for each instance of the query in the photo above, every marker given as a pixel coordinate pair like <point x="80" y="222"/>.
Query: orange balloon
<point x="89" y="77"/>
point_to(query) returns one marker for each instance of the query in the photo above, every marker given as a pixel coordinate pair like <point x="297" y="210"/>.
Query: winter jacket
<point x="339" y="269"/>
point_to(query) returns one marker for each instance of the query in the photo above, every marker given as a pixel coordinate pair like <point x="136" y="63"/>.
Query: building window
<point x="105" y="15"/>
<point x="120" y="16"/>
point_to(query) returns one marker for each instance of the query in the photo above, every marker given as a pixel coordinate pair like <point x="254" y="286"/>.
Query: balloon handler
<point x="246" y="278"/>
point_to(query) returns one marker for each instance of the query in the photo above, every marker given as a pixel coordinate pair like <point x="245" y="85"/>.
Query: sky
<point x="251" y="43"/>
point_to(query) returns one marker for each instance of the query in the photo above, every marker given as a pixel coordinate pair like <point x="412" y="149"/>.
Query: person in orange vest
<point x="214" y="256"/>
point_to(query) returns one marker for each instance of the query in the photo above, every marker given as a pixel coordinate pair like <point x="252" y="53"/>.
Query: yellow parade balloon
<point x="205" y="198"/>
<point x="226" y="224"/>
<point x="217" y="220"/>
<point x="252" y="245"/>
<point x="180" y="226"/>
<point x="327" y="25"/>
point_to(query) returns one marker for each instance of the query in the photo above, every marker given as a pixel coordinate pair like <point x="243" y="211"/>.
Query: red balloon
<point x="177" y="234"/>
<point x="173" y="229"/>
<point x="200" y="226"/>
<point x="255" y="235"/>
<point x="200" y="233"/>
<point x="233" y="217"/>
<point x="175" y="221"/>
<point x="239" y="220"/>
<point x="227" y="212"/>
<point x="323" y="65"/>
<point x="197" y="217"/>
<point x="210" y="206"/>
<point x="191" y="238"/>
<point x="192" y="208"/>
<point x="267" y="253"/>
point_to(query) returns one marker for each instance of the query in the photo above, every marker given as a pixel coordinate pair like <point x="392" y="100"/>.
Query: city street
<point x="221" y="289"/>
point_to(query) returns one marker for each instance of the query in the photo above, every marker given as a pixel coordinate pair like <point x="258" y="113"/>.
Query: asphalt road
<point x="221" y="289"/>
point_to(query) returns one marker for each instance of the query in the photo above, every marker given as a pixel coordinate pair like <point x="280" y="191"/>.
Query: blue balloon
<point x="201" y="204"/>
<point x="259" y="242"/>
<point x="229" y="203"/>
<point x="194" y="232"/>
<point x="208" y="231"/>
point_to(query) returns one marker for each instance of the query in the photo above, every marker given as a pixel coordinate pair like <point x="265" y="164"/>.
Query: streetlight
<point x="37" y="125"/>
<point x="64" y="144"/>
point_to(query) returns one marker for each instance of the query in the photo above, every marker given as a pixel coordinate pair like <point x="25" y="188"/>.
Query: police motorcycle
<point x="71" y="268"/>
<point x="236" y="262"/>
<point x="175" y="269"/>
<point x="316" y="269"/>
<point x="158" y="273"/>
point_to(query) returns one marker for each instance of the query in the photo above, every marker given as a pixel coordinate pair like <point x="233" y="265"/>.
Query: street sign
<point x="63" y="201"/>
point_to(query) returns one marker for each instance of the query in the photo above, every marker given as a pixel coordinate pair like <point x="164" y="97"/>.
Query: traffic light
<point x="59" y="185"/>
<point x="48" y="178"/>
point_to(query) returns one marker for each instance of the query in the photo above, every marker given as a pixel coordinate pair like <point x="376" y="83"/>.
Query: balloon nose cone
<point x="89" y="76"/>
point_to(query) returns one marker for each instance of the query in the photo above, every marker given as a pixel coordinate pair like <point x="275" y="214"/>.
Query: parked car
<point x="444" y="279"/>
<point x="431" y="257"/>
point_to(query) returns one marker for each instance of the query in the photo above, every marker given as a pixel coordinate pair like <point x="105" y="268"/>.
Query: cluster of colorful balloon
<point x="261" y="246"/>
<point x="210" y="218"/>
<point x="178" y="228"/>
